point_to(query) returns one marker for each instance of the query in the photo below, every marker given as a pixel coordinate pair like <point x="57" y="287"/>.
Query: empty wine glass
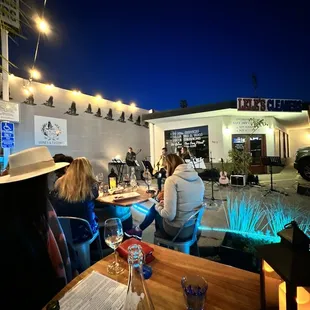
<point x="113" y="236"/>
<point x="147" y="179"/>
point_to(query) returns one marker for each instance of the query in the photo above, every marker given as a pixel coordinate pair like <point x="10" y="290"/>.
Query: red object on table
<point x="147" y="250"/>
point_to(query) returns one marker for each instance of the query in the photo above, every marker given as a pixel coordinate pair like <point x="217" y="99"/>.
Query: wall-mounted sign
<point x="269" y="105"/>
<point x="50" y="131"/>
<point x="10" y="12"/>
<point x="9" y="111"/>
<point x="244" y="126"/>
<point x="195" y="138"/>
<point x="7" y="135"/>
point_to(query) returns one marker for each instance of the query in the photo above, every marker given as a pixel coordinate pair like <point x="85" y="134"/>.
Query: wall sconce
<point x="98" y="113"/>
<point x="285" y="272"/>
<point x="151" y="111"/>
<point x="72" y="109"/>
<point x="49" y="102"/>
<point x="122" y="118"/>
<point x="130" y="118"/>
<point x="138" y="121"/>
<point x="76" y="92"/>
<point x="109" y="116"/>
<point x="89" y="109"/>
<point x="227" y="131"/>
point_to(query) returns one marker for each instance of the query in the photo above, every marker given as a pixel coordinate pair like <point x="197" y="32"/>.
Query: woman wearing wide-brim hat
<point x="34" y="261"/>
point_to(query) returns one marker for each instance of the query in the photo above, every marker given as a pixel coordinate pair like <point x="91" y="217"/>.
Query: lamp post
<point x="285" y="271"/>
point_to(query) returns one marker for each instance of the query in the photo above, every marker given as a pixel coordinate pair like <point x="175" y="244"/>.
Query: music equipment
<point x="237" y="180"/>
<point x="303" y="189"/>
<point x="196" y="163"/>
<point x="213" y="200"/>
<point x="223" y="175"/>
<point x="272" y="161"/>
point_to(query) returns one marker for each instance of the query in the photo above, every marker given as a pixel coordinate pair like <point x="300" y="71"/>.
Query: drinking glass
<point x="99" y="177"/>
<point x="194" y="291"/>
<point x="113" y="236"/>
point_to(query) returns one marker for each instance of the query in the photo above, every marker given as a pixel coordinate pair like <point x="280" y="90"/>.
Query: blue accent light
<point x="257" y="236"/>
<point x="141" y="209"/>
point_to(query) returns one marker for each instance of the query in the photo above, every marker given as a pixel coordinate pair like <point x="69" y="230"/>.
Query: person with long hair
<point x="74" y="195"/>
<point x="34" y="256"/>
<point x="183" y="194"/>
<point x="54" y="176"/>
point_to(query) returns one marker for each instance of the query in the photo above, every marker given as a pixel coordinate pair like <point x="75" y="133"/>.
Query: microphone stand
<point x="212" y="201"/>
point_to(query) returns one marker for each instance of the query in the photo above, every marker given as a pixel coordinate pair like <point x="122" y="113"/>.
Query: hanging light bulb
<point x="35" y="74"/>
<point x="133" y="105"/>
<point x="98" y="97"/>
<point x="43" y="25"/>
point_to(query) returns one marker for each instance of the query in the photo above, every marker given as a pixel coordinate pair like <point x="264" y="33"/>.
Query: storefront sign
<point x="50" y="131"/>
<point x="9" y="111"/>
<point x="269" y="105"/>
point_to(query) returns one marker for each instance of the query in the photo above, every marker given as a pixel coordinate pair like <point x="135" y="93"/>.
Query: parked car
<point x="302" y="162"/>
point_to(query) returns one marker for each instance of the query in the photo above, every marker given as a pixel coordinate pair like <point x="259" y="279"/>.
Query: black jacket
<point x="130" y="158"/>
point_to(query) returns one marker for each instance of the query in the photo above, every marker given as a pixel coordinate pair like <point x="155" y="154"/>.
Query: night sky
<point x="159" y="52"/>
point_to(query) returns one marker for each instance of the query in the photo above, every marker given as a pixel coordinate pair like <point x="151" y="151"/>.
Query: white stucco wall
<point x="221" y="129"/>
<point x="95" y="138"/>
<point x="298" y="138"/>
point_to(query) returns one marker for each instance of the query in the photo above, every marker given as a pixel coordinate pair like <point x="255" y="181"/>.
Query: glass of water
<point x="113" y="236"/>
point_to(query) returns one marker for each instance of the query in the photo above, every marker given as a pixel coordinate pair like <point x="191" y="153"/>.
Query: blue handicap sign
<point x="7" y="135"/>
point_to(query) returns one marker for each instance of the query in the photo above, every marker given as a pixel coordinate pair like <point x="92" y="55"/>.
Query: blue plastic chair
<point x="83" y="248"/>
<point x="181" y="244"/>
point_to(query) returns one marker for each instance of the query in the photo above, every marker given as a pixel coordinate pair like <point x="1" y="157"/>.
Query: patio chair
<point x="182" y="245"/>
<point x="83" y="248"/>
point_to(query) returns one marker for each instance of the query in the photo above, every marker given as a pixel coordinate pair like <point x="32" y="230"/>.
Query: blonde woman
<point x="74" y="195"/>
<point x="183" y="193"/>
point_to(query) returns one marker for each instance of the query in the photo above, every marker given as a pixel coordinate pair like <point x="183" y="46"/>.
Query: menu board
<point x="196" y="139"/>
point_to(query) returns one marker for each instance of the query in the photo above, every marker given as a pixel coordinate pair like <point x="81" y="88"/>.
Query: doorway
<point x="256" y="145"/>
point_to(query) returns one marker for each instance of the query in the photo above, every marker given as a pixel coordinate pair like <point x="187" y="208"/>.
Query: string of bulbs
<point x="44" y="28"/>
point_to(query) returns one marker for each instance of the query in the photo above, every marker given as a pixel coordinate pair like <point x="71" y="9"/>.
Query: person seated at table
<point x="160" y="168"/>
<point x="184" y="153"/>
<point x="74" y="195"/>
<point x="34" y="258"/>
<point x="52" y="177"/>
<point x="183" y="194"/>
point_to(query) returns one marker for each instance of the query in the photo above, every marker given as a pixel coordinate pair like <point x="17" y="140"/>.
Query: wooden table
<point x="128" y="202"/>
<point x="229" y="288"/>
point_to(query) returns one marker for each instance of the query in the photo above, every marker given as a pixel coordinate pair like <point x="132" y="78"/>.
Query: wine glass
<point x="113" y="236"/>
<point x="147" y="179"/>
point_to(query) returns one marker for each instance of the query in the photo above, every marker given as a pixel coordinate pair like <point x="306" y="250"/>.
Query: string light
<point x="76" y="92"/>
<point x="133" y="105"/>
<point x="49" y="86"/>
<point x="43" y="25"/>
<point x="35" y="74"/>
<point x="98" y="97"/>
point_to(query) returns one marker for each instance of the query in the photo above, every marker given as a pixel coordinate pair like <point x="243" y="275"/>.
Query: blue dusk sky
<point x="156" y="53"/>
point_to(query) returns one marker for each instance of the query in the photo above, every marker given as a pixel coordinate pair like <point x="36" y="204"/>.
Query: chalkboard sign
<point x="196" y="139"/>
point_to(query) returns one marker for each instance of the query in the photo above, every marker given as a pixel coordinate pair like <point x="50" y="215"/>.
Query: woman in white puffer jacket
<point x="183" y="194"/>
